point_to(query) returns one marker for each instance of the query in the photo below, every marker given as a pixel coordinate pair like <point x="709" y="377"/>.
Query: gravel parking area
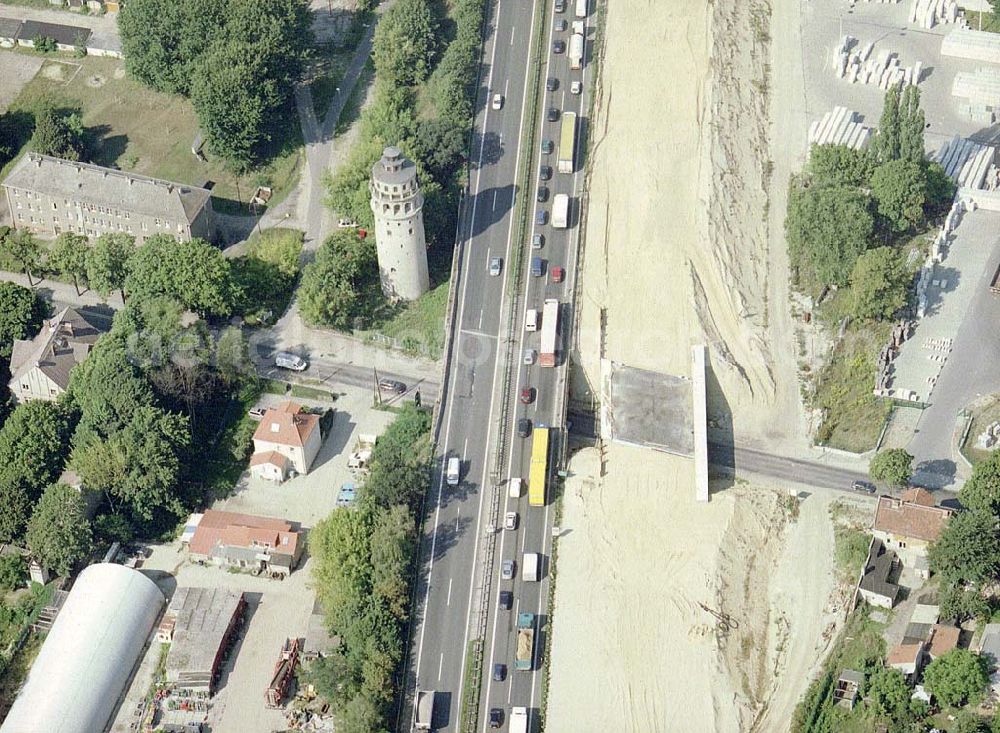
<point x="16" y="70"/>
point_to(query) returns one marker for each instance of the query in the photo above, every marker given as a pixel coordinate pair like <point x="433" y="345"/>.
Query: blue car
<point x="542" y="217"/>
<point x="346" y="495"/>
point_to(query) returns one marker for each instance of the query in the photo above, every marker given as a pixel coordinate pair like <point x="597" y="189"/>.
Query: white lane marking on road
<point x="465" y="449"/>
<point x="512" y="36"/>
<point x="506" y="86"/>
<point x="441" y="667"/>
<point x="448" y="603"/>
<point x="482" y="312"/>
<point x="520" y="345"/>
<point x="451" y="402"/>
<point x="496" y="193"/>
<point x="479" y="334"/>
<point x="472" y="220"/>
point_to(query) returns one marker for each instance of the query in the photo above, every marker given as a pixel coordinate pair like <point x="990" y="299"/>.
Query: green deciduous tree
<point x="895" y="466"/>
<point x="68" y="256"/>
<point x="13" y="572"/>
<point x="59" y="534"/>
<point x="107" y="388"/>
<point x="194" y="273"/>
<point x="405" y="42"/>
<point x="956" y="677"/>
<point x="21" y="315"/>
<point x="968" y="550"/>
<point x="887" y="692"/>
<point x="24" y="248"/>
<point x="334" y="287"/>
<point x="840" y="165"/>
<point x="886" y="143"/>
<point x="982" y="491"/>
<point x="279" y="247"/>
<point x="108" y="263"/>
<point x="58" y="133"/>
<point x="879" y="283"/>
<point x="900" y="188"/>
<point x="911" y="126"/>
<point x="828" y="227"/>
<point x="232" y="355"/>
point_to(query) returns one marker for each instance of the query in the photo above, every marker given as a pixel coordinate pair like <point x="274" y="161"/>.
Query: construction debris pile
<point x="989" y="438"/>
<point x="840" y="127"/>
<point x="855" y="62"/>
<point x="969" y="164"/>
<point x="928" y="13"/>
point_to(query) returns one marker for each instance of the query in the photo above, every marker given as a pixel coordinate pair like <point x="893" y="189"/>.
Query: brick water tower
<point x="399" y="226"/>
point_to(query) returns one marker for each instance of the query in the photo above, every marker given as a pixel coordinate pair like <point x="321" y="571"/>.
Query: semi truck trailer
<point x="560" y="211"/>
<point x="525" y="654"/>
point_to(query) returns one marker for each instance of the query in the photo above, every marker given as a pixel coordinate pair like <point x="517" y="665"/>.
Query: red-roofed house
<point x="907" y="658"/>
<point x="943" y="639"/>
<point x="286" y="440"/>
<point x="908" y="525"/>
<point x="244" y="541"/>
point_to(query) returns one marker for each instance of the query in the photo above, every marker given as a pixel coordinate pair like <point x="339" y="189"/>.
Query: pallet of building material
<point x="966" y="43"/>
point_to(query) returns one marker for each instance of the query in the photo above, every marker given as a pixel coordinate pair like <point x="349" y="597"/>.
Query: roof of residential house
<point x="229" y="529"/>
<point x="67" y="35"/>
<point x="925" y="613"/>
<point x="908" y="519"/>
<point x="92" y="184"/>
<point x="63" y="342"/>
<point x="904" y="654"/>
<point x="286" y="424"/>
<point x="917" y="495"/>
<point x="271" y="457"/>
<point x="943" y="639"/>
<point x="877" y="568"/>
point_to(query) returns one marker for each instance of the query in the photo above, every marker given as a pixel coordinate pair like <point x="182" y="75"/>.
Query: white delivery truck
<point x="519" y="720"/>
<point x="423" y="710"/>
<point x="531" y="567"/>
<point x="560" y="212"/>
<point x="576" y="51"/>
<point x="514" y="492"/>
<point x="454" y="473"/>
<point x="581" y="8"/>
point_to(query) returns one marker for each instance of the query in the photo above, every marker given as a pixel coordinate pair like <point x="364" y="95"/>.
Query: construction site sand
<point x="677" y="253"/>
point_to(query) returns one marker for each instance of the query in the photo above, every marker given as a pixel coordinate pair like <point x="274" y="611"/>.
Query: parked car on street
<point x="864" y="486"/>
<point x="256" y="412"/>
<point x="391" y="385"/>
<point x="287" y="360"/>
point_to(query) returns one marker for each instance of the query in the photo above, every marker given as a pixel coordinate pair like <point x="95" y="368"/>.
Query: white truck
<point x="423" y="710"/>
<point x="560" y="211"/>
<point x="581" y="8"/>
<point x="454" y="474"/>
<point x="519" y="720"/>
<point x="576" y="51"/>
<point x="361" y="456"/>
<point x="531" y="567"/>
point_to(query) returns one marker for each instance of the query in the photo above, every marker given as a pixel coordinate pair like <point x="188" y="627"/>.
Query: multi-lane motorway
<point x="453" y="578"/>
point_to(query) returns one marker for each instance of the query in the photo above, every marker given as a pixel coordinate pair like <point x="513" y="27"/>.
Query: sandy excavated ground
<point x="679" y="251"/>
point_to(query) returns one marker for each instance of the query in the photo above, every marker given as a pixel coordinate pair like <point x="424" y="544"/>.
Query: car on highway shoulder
<point x="537" y="241"/>
<point x="391" y="385"/>
<point x="553" y="114"/>
<point x="496" y="265"/>
<point x="529" y="357"/>
<point x="499" y="672"/>
<point x="497" y="101"/>
<point x="524" y="427"/>
<point x="551" y="84"/>
<point x="542" y="217"/>
<point x="496" y="717"/>
<point x="544" y="172"/>
<point x="557" y="274"/>
<point x="510" y="521"/>
<point x="507" y="570"/>
<point x="506" y="600"/>
<point x="561" y="25"/>
<point x="558" y="46"/>
<point x="866" y="487"/>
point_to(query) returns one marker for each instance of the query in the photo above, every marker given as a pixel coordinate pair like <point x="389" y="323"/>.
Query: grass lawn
<point x="986" y="414"/>
<point x="990" y="21"/>
<point x="853" y="416"/>
<point x="140" y="130"/>
<point x="17" y="671"/>
<point x="420" y="322"/>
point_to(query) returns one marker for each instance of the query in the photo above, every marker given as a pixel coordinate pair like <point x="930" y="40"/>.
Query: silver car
<point x="510" y="521"/>
<point x="529" y="357"/>
<point x="507" y="570"/>
<point x="496" y="265"/>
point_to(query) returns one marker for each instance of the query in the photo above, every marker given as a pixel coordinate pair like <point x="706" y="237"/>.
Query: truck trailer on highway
<point x="423" y="710"/>
<point x="567" y="144"/>
<point x="581" y="8"/>
<point x="531" y="567"/>
<point x="560" y="211"/>
<point x="525" y="658"/>
<point x="576" y="51"/>
<point x="548" y="353"/>
<point x="519" y="720"/>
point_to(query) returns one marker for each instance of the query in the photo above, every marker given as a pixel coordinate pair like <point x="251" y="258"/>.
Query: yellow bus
<point x="539" y="467"/>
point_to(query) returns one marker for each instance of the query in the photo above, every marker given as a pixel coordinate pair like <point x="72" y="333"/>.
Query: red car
<point x="527" y="395"/>
<point x="557" y="274"/>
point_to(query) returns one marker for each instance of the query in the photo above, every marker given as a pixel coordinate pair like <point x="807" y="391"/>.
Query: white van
<point x="531" y="567"/>
<point x="454" y="472"/>
<point x="531" y="320"/>
<point x="287" y="360"/>
<point x="515" y="488"/>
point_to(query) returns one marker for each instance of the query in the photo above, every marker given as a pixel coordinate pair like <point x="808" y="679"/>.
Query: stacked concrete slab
<point x="840" y="127"/>
<point x="855" y="63"/>
<point x="966" y="43"/>
<point x="981" y="91"/>
<point x="968" y="163"/>
<point x="928" y="13"/>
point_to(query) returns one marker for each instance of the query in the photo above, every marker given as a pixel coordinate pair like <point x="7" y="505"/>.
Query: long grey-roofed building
<point x="87" y="659"/>
<point x="199" y="623"/>
<point x="50" y="195"/>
